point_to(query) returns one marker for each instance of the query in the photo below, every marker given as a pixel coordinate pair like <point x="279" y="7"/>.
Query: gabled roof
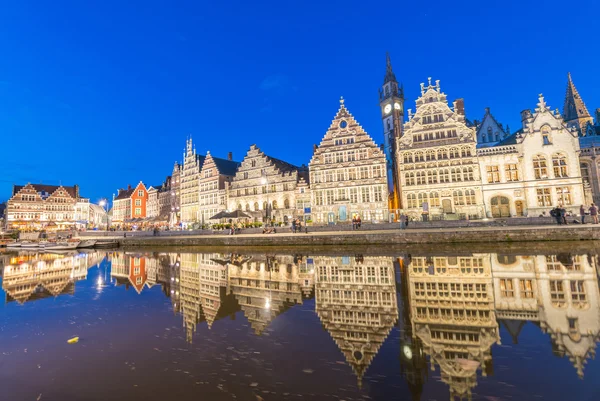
<point x="226" y="167"/>
<point x="72" y="191"/>
<point x="125" y="194"/>
<point x="511" y="139"/>
<point x="281" y="165"/>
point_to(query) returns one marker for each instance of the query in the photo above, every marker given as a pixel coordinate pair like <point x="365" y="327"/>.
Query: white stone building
<point x="438" y="166"/>
<point x="265" y="187"/>
<point x="215" y="180"/>
<point x="348" y="174"/>
<point x="534" y="169"/>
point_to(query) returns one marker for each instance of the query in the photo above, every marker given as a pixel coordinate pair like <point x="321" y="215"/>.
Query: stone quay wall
<point x="499" y="235"/>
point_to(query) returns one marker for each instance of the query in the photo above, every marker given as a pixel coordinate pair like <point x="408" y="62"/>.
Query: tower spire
<point x="574" y="111"/>
<point x="389" y="73"/>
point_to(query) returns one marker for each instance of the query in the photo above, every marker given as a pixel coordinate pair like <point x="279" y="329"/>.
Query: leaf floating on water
<point x="253" y="384"/>
<point x="73" y="340"/>
<point x="308" y="371"/>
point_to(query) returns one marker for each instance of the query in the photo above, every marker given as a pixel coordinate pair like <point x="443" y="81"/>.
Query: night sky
<point x="105" y="94"/>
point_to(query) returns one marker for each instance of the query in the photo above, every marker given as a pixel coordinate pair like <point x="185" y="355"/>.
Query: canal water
<point x="301" y="325"/>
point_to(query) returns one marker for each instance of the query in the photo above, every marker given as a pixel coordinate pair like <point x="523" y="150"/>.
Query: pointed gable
<point x="345" y="132"/>
<point x="490" y="131"/>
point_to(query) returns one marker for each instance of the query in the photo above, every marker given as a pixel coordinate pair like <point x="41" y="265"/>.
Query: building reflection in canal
<point x="450" y="310"/>
<point x="29" y="276"/>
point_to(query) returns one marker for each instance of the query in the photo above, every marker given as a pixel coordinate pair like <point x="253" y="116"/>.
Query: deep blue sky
<point x="103" y="94"/>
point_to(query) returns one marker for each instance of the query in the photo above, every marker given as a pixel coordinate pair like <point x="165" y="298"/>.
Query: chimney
<point x="459" y="106"/>
<point x="129" y="187"/>
<point x="230" y="156"/>
<point x="525" y="117"/>
<point x="76" y="191"/>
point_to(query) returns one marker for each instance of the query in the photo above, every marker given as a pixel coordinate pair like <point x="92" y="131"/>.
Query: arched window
<point x="470" y="197"/>
<point x="420" y="177"/>
<point x="546" y="139"/>
<point x="421" y="198"/>
<point x="434" y="199"/>
<point x="458" y="198"/>
<point x="247" y="207"/>
<point x="442" y="154"/>
<point x="456" y="174"/>
<point x="264" y="205"/>
<point x="585" y="172"/>
<point x="540" y="167"/>
<point x="286" y="203"/>
<point x="468" y="174"/>
<point x="274" y="204"/>
<point x="256" y="209"/>
<point x="410" y="178"/>
<point x="411" y="200"/>
<point x="454" y="153"/>
<point x="488" y="135"/>
<point x="496" y="136"/>
<point x="239" y="206"/>
<point x="245" y="175"/>
<point x="408" y="158"/>
<point x="465" y="152"/>
<point x="432" y="177"/>
<point x="559" y="164"/>
<point x="419" y="157"/>
<point x="430" y="155"/>
<point x="444" y="175"/>
<point x="253" y="163"/>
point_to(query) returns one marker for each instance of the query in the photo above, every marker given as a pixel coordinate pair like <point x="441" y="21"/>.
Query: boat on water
<point x="13" y="245"/>
<point x="88" y="243"/>
<point x="107" y="244"/>
<point x="65" y="245"/>
<point x="33" y="245"/>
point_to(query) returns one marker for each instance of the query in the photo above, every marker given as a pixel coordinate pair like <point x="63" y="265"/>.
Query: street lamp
<point x="103" y="203"/>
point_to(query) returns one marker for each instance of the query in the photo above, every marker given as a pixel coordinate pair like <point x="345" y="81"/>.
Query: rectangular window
<point x="140" y="193"/>
<point x="557" y="292"/>
<point x="365" y="195"/>
<point x="341" y="194"/>
<point x="138" y="211"/>
<point x="352" y="174"/>
<point x="378" y="194"/>
<point x="319" y="198"/>
<point x="493" y="174"/>
<point x="563" y="194"/>
<point x="329" y="195"/>
<point x="526" y="288"/>
<point x="376" y="171"/>
<point x="364" y="173"/>
<point x="578" y="292"/>
<point x="512" y="174"/>
<point x="544" y="197"/>
<point x="353" y="195"/>
<point x="506" y="288"/>
<point x="340" y="175"/>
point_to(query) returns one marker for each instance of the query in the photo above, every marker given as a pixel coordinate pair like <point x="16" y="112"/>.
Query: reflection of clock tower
<point x="391" y="100"/>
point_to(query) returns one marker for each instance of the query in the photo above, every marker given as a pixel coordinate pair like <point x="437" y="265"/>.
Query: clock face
<point x="397" y="106"/>
<point x="387" y="108"/>
<point x="407" y="352"/>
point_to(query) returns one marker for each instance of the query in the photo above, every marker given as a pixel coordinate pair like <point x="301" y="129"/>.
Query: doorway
<point x="447" y="205"/>
<point x="519" y="208"/>
<point x="500" y="206"/>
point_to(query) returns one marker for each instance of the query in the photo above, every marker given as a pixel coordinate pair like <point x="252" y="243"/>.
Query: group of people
<point x="404" y="221"/>
<point x="356" y="222"/>
<point x="560" y="214"/>
<point x="593" y="212"/>
<point x="297" y="225"/>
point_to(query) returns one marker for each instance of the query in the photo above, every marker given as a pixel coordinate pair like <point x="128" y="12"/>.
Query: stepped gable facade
<point x="438" y="168"/>
<point x="348" y="174"/>
<point x="190" y="185"/>
<point x="215" y="180"/>
<point x="37" y="206"/>
<point x="264" y="187"/>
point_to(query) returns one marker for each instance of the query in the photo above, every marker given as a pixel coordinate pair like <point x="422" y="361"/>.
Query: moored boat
<point x="13" y="245"/>
<point x="61" y="245"/>
<point x="88" y="243"/>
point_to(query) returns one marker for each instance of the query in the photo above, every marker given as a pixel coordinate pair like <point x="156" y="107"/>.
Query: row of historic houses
<point x="436" y="162"/>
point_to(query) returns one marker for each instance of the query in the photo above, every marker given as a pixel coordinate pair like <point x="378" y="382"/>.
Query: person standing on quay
<point x="582" y="213"/>
<point x="594" y="213"/>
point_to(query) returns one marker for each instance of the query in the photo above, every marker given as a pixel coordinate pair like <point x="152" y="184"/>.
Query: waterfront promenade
<point x="330" y="236"/>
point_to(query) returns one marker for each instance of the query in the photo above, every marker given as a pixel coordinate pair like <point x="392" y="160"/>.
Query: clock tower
<point x="391" y="101"/>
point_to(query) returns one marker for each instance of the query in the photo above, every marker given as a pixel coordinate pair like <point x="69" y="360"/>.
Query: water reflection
<point x="449" y="310"/>
<point x="30" y="276"/>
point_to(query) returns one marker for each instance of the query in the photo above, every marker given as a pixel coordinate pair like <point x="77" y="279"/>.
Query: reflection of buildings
<point x="130" y="270"/>
<point x="37" y="276"/>
<point x="264" y="287"/>
<point x="452" y="309"/>
<point x="560" y="292"/>
<point x="356" y="301"/>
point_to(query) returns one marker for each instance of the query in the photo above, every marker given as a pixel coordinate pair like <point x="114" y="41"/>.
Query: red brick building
<point x="130" y="203"/>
